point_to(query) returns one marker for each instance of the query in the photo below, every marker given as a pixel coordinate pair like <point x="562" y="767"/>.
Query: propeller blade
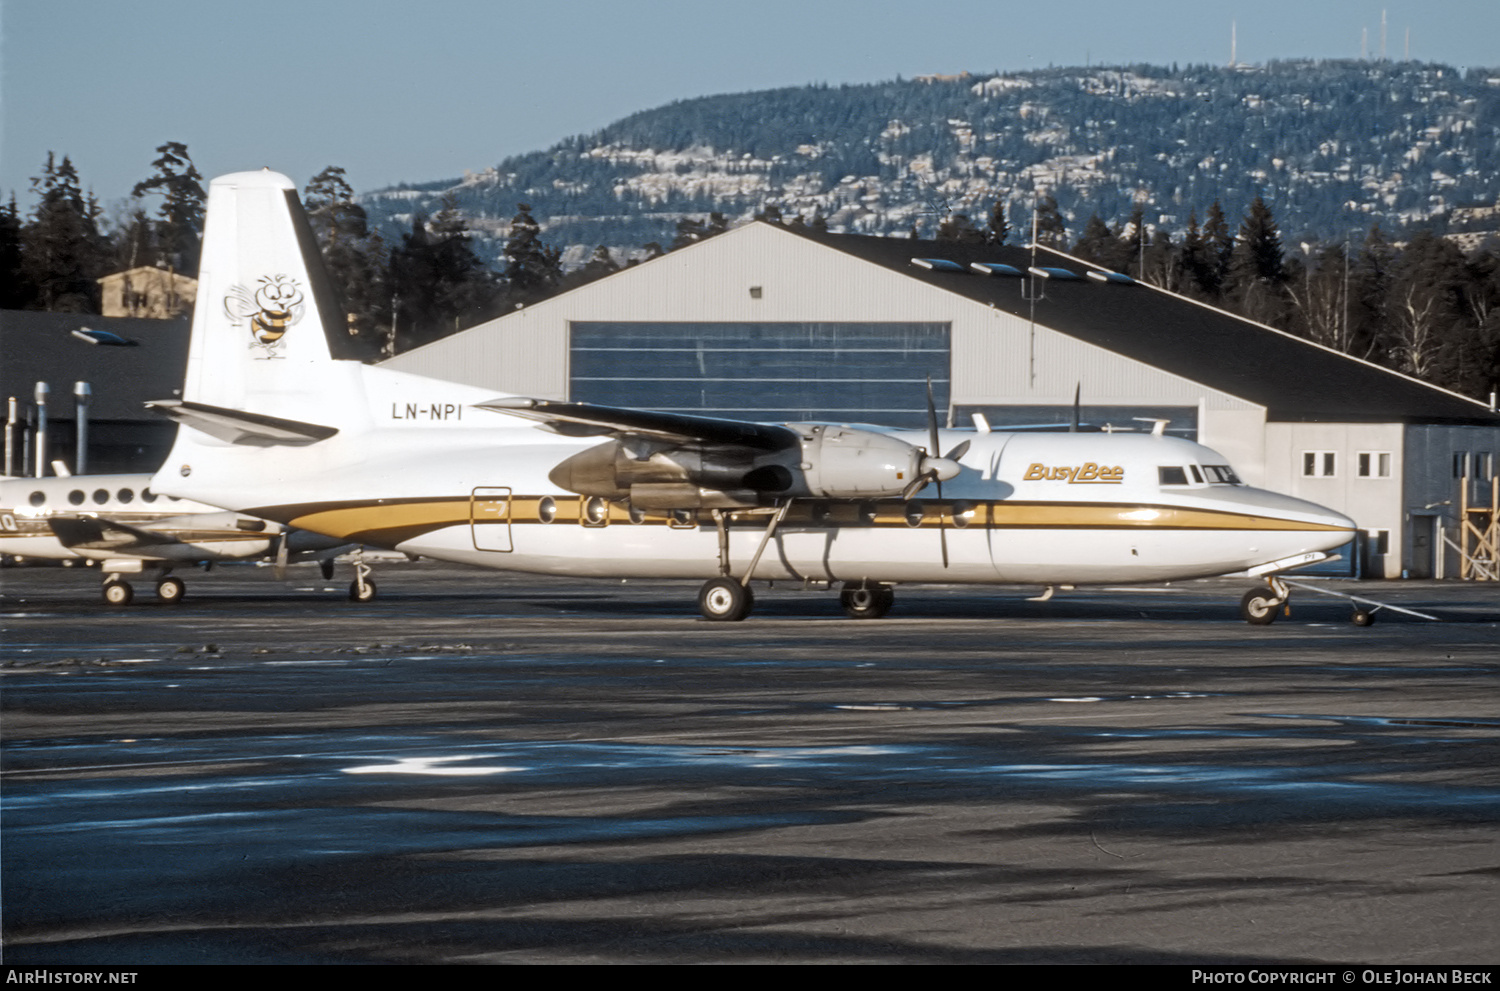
<point x="957" y="454"/>
<point x="932" y="428"/>
<point x="942" y="527"/>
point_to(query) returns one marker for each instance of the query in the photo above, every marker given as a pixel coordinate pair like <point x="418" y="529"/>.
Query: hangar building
<point x="770" y="323"/>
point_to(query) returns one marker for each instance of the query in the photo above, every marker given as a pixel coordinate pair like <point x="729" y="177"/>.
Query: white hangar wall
<point x="759" y="273"/>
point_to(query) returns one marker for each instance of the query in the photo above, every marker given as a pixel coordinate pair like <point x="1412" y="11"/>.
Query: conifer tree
<point x="14" y="289"/>
<point x="997" y="229"/>
<point x="352" y="253"/>
<point x="1256" y="277"/>
<point x="532" y="269"/>
<point x="179" y="231"/>
<point x="1051" y="229"/>
<point x="63" y="253"/>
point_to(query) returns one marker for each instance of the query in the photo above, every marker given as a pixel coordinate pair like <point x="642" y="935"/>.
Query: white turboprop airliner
<point x="279" y="423"/>
<point x="123" y="524"/>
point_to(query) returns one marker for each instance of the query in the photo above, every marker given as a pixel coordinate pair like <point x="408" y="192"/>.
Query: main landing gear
<point x="866" y="600"/>
<point x="119" y="592"/>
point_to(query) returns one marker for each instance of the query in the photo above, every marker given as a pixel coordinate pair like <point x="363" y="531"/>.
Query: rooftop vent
<point x="995" y="268"/>
<point x="1052" y="273"/>
<point x="1116" y="277"/>
<point x="938" y="265"/>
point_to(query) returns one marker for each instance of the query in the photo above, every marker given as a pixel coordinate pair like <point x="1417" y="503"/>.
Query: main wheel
<point x="118" y="593"/>
<point x="1362" y="617"/>
<point x="171" y="590"/>
<point x="725" y="600"/>
<point x="361" y="593"/>
<point x="861" y="601"/>
<point x="1259" y="607"/>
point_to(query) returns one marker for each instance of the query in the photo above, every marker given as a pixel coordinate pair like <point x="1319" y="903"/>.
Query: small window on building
<point x="1171" y="475"/>
<point x="1484" y="464"/>
<point x="1319" y="464"/>
<point x="1460" y="464"/>
<point x="1374" y="464"/>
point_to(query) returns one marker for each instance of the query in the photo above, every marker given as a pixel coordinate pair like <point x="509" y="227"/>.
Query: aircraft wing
<point x="585" y="419"/>
<point x="99" y="533"/>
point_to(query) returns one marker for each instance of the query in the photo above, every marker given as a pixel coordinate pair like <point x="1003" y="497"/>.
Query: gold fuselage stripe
<point x="392" y="521"/>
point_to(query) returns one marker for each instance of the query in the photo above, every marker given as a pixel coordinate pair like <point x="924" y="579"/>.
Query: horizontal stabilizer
<point x="566" y="418"/>
<point x="239" y="427"/>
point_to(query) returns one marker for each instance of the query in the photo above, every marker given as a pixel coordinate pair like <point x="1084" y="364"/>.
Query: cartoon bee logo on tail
<point x="275" y="305"/>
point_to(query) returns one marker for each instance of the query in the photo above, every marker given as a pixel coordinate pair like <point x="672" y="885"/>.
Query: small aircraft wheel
<point x="358" y="593"/>
<point x="866" y="601"/>
<point x="171" y="590"/>
<point x="725" y="600"/>
<point x="118" y="593"/>
<point x="1259" y="607"/>
<point x="1362" y="617"/>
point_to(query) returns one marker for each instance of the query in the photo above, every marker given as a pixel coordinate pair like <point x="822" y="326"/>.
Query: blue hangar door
<point x="771" y="372"/>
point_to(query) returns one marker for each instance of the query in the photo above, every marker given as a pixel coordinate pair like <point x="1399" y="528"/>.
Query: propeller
<point x="936" y="469"/>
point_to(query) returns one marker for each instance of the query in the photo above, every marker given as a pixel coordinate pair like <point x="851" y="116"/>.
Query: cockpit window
<point x="1196" y="476"/>
<point x="1171" y="475"/>
<point x="1221" y="474"/>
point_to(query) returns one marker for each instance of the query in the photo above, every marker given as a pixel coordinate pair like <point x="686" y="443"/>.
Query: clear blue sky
<point x="397" y="91"/>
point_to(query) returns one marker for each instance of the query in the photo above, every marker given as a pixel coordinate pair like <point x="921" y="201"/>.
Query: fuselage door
<point x="489" y="518"/>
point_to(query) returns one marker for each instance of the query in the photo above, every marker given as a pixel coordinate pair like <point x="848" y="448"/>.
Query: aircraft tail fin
<point x="267" y="320"/>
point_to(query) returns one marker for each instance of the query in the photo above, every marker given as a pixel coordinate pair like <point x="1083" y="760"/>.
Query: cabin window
<point x="867" y="511"/>
<point x="147" y="495"/>
<point x="595" y="511"/>
<point x="637" y="515"/>
<point x="125" y="495"/>
<point x="101" y="496"/>
<point x="1374" y="464"/>
<point x="1319" y="464"/>
<point x="1171" y="475"/>
<point x="546" y="510"/>
<point x="963" y="514"/>
<point x="915" y="511"/>
<point x="76" y="497"/>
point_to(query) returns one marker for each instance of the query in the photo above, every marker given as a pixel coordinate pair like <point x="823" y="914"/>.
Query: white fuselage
<point x="189" y="532"/>
<point x="1027" y="507"/>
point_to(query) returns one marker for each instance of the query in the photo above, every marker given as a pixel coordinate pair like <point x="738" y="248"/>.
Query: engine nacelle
<point x="850" y="463"/>
<point x="828" y="462"/>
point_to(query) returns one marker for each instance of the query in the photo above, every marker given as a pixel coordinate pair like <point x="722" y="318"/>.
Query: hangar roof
<point x="1294" y="379"/>
<point x="41" y="347"/>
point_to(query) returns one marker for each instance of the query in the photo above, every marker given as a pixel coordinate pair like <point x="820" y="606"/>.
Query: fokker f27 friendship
<point x="279" y="422"/>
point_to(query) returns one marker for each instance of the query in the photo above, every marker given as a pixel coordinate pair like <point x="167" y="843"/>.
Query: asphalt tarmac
<point x="489" y="768"/>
